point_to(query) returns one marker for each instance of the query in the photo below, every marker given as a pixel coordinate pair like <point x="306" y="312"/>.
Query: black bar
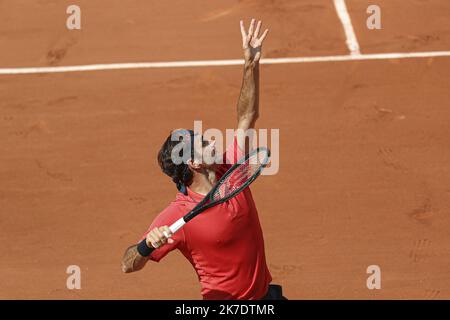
<point x="238" y="310"/>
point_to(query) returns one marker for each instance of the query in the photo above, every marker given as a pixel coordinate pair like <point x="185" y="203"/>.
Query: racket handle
<point x="177" y="225"/>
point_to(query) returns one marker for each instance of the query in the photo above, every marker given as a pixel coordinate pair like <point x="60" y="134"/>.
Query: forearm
<point x="248" y="103"/>
<point x="132" y="260"/>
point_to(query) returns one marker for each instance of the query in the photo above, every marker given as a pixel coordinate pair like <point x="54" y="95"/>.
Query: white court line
<point x="352" y="42"/>
<point x="231" y="62"/>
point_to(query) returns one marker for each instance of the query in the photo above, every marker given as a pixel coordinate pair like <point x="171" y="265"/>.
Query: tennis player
<point x="224" y="244"/>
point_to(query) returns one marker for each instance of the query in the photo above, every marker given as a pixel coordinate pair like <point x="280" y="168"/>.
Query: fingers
<point x="250" y="30"/>
<point x="244" y="35"/>
<point x="261" y="39"/>
<point x="258" y="27"/>
<point x="167" y="233"/>
<point x="159" y="236"/>
<point x="253" y="33"/>
<point x="153" y="240"/>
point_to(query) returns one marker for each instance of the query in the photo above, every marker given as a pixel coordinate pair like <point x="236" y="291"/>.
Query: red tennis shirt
<point x="224" y="244"/>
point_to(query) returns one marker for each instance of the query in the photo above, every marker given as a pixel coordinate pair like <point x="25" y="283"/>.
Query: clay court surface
<point x="364" y="145"/>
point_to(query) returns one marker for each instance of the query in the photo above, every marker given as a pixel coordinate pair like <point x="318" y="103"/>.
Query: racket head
<point x="240" y="175"/>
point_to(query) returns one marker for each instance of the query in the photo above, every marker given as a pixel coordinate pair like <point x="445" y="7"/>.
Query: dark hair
<point x="181" y="174"/>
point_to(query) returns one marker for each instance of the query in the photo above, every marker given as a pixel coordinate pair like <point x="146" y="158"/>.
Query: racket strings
<point x="241" y="175"/>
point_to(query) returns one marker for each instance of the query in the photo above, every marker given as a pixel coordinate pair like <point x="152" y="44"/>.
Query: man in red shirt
<point x="224" y="244"/>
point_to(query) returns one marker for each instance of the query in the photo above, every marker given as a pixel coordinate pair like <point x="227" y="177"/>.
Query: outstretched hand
<point x="252" y="42"/>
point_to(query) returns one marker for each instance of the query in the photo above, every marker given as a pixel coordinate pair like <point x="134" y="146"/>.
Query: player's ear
<point x="193" y="164"/>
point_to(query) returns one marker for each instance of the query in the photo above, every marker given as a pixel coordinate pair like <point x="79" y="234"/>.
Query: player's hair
<point x="181" y="174"/>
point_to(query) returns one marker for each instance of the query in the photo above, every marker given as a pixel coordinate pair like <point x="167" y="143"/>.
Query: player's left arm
<point x="248" y="103"/>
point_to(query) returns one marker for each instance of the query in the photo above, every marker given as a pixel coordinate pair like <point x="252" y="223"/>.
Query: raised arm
<point x="248" y="103"/>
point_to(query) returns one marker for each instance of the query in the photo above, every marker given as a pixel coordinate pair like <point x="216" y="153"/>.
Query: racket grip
<point x="177" y="225"/>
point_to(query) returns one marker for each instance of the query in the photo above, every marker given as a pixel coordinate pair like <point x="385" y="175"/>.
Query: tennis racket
<point x="234" y="181"/>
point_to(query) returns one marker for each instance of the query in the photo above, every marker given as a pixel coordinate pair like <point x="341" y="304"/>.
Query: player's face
<point x="209" y="150"/>
<point x="207" y="153"/>
<point x="203" y="149"/>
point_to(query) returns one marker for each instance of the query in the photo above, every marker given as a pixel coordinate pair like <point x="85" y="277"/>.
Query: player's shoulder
<point x="179" y="205"/>
<point x="168" y="215"/>
<point x="173" y="208"/>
